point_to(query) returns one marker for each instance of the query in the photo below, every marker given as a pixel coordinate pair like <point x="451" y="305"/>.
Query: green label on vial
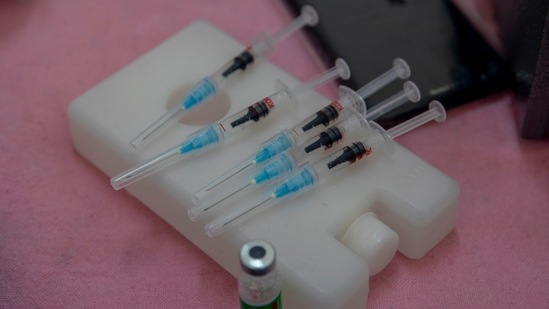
<point x="275" y="304"/>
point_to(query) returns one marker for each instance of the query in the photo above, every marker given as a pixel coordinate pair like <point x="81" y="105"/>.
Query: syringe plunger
<point x="400" y="70"/>
<point x="308" y="176"/>
<point x="436" y="112"/>
<point x="410" y="92"/>
<point x="341" y="69"/>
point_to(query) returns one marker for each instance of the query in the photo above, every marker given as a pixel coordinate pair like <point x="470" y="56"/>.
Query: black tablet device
<point x="450" y="60"/>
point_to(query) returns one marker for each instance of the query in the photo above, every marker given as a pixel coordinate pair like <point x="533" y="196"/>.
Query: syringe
<point x="336" y="133"/>
<point x="209" y="87"/>
<point x="312" y="125"/>
<point x="213" y="135"/>
<point x="291" y="159"/>
<point x="309" y="176"/>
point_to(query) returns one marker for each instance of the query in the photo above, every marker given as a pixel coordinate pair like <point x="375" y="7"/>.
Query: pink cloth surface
<point x="67" y="240"/>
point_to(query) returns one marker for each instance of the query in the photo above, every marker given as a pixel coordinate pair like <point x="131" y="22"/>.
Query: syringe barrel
<point x="253" y="113"/>
<point x="318" y="121"/>
<point x="264" y="44"/>
<point x="354" y="124"/>
<point x="342" y="158"/>
<point x="374" y="139"/>
<point x="333" y="135"/>
<point x="298" y="183"/>
<point x="357" y="122"/>
<point x="332" y="113"/>
<point x="282" y="141"/>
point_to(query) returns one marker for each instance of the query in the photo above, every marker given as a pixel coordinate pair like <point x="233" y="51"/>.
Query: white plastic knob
<point x="372" y="240"/>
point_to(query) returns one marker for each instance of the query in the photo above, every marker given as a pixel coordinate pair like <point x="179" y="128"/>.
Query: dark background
<point x="450" y="60"/>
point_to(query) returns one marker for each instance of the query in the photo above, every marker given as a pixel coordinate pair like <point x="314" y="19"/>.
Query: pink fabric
<point x="67" y="240"/>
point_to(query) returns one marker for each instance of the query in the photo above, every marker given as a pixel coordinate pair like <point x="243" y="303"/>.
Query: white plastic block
<point x="414" y="203"/>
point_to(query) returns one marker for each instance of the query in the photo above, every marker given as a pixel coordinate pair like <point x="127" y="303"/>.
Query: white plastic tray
<point x="407" y="195"/>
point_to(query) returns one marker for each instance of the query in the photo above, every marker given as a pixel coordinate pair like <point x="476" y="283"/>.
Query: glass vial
<point x="259" y="282"/>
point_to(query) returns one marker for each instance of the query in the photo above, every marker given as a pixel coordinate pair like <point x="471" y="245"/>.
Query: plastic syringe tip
<point x="205" y="137"/>
<point x="274" y="169"/>
<point x="203" y="91"/>
<point x="279" y="144"/>
<point x="187" y="147"/>
<point x="295" y="183"/>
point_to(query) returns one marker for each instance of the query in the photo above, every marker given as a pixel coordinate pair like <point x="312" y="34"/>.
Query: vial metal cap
<point x="257" y="257"/>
